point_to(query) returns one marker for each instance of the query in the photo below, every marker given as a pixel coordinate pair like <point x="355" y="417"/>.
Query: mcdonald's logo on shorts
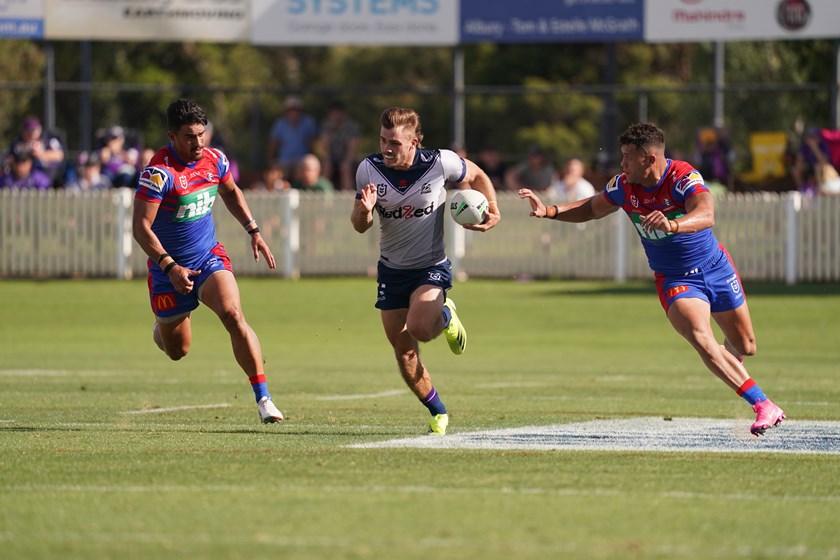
<point x="163" y="302"/>
<point x="675" y="291"/>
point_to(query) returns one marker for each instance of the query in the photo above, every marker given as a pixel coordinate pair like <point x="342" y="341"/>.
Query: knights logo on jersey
<point x="381" y="189"/>
<point x="153" y="179"/>
<point x="692" y="179"/>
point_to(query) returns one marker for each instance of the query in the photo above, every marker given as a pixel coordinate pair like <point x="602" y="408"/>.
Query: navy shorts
<point x="169" y="304"/>
<point x="717" y="283"/>
<point x="395" y="286"/>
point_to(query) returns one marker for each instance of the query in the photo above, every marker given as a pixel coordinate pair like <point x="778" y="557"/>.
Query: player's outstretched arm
<point x="362" y="215"/>
<point x="577" y="211"/>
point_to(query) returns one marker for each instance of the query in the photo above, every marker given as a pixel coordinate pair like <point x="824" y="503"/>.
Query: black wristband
<point x="169" y="267"/>
<point x="163" y="256"/>
<point x="253" y="231"/>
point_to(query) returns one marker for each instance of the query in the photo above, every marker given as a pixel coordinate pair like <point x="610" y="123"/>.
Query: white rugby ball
<point x="468" y="207"/>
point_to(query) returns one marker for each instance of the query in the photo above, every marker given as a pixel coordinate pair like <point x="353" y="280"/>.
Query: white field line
<point x="640" y="434"/>
<point x="176" y="408"/>
<point x="358" y="396"/>
<point x="412" y="489"/>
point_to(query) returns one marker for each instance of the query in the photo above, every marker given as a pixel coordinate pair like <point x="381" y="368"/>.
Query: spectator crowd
<point x="311" y="155"/>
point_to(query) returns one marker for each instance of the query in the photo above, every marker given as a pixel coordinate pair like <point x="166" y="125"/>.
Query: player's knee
<point x="232" y="318"/>
<point x="177" y="352"/>
<point x="406" y="357"/>
<point x="748" y="347"/>
<point x="421" y="331"/>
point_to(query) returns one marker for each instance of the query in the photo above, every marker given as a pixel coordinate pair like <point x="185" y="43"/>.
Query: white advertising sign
<point x="740" y="20"/>
<point x="355" y="22"/>
<point x="212" y="21"/>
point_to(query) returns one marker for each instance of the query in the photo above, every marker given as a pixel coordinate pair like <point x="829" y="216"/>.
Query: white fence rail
<point x="773" y="237"/>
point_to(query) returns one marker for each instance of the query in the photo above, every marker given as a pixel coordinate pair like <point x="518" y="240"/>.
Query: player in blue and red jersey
<point x="173" y="223"/>
<point x="673" y="212"/>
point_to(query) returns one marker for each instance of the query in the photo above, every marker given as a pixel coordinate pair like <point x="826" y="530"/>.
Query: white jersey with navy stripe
<point x="411" y="205"/>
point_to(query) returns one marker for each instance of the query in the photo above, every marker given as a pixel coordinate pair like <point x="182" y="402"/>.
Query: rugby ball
<point x="468" y="207"/>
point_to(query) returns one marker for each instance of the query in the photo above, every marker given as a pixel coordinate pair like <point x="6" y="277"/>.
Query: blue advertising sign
<point x="22" y="19"/>
<point x="551" y="21"/>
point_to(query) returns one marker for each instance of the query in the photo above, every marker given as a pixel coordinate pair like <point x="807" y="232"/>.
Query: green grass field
<point x="84" y="476"/>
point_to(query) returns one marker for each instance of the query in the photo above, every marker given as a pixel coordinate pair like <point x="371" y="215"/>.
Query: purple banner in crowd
<point x="551" y="21"/>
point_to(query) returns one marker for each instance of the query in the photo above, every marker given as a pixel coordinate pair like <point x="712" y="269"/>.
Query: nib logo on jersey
<point x="406" y="212"/>
<point x="195" y="205"/>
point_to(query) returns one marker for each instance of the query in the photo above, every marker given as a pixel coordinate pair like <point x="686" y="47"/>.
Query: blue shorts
<point x="166" y="302"/>
<point x="395" y="286"/>
<point x="717" y="283"/>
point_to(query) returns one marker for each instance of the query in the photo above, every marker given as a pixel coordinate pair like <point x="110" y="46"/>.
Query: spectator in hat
<point x="536" y="172"/>
<point x="22" y="173"/>
<point x="46" y="150"/>
<point x="89" y="177"/>
<point x="292" y="136"/>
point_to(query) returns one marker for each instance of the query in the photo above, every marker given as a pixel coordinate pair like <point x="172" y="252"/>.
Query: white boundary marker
<point x="176" y="408"/>
<point x="641" y="434"/>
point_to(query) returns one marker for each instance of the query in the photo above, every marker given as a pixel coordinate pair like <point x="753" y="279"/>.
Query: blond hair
<point x="393" y="117"/>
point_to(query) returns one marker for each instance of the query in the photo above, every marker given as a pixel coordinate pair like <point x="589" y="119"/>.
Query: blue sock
<point x="447" y="316"/>
<point x="433" y="403"/>
<point x="259" y="385"/>
<point x="751" y="392"/>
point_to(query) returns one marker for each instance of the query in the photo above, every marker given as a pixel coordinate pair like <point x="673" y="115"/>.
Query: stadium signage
<point x="418" y="22"/>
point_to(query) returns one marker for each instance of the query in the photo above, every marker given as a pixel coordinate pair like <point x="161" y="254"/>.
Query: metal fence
<point x="771" y="236"/>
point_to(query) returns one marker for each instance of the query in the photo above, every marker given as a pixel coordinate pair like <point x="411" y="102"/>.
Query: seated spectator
<point x="119" y="164"/>
<point x="47" y="149"/>
<point x="812" y="171"/>
<point x="490" y="160"/>
<point x="272" y="180"/>
<point x="713" y="155"/>
<point x="572" y="186"/>
<point x="309" y="176"/>
<point x="340" y="143"/>
<point x="537" y="172"/>
<point x="89" y="176"/>
<point x="22" y="173"/>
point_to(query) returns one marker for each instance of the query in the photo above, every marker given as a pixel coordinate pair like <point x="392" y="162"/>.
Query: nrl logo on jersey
<point x="381" y="189"/>
<point x="152" y="178"/>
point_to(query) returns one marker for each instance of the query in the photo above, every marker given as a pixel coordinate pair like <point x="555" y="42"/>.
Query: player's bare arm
<point x="577" y="211"/>
<point x="238" y="207"/>
<point x="142" y="220"/>
<point x="478" y="180"/>
<point x="700" y="215"/>
<point x="362" y="215"/>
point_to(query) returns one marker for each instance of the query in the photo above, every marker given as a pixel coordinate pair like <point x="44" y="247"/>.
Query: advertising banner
<point x="740" y="20"/>
<point x="551" y="21"/>
<point x="22" y="19"/>
<point x="355" y="22"/>
<point x="211" y="21"/>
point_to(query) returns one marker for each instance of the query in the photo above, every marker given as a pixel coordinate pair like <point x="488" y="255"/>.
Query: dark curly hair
<point x="643" y="135"/>
<point x="184" y="111"/>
